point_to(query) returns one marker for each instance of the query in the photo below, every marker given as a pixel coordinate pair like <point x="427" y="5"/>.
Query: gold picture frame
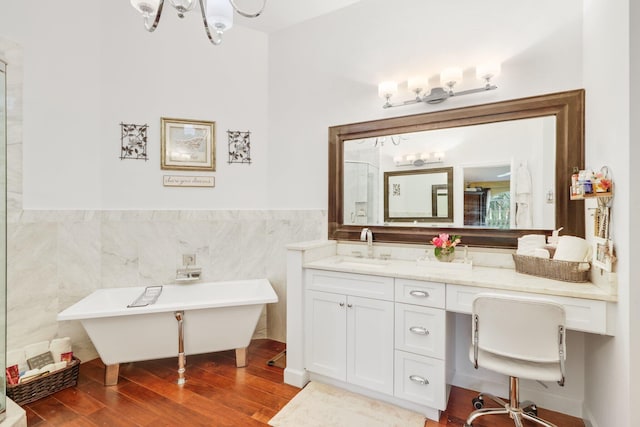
<point x="187" y="145"/>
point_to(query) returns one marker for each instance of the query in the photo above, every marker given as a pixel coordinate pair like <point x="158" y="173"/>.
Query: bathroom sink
<point x="362" y="262"/>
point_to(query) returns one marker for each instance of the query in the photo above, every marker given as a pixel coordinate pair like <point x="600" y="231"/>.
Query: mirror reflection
<point x="419" y="196"/>
<point x="502" y="176"/>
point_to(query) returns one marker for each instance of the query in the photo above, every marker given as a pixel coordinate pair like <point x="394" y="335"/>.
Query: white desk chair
<point x="521" y="338"/>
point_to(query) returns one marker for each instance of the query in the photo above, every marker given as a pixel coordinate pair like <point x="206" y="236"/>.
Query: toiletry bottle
<point x="574" y="182"/>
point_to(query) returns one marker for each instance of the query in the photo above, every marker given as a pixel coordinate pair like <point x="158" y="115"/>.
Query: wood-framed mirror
<point x="417" y="196"/>
<point x="564" y="109"/>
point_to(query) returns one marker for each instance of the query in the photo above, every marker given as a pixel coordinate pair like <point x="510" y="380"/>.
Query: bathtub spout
<point x="181" y="358"/>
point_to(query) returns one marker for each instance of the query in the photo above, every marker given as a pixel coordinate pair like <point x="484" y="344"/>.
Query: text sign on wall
<point x="188" y="181"/>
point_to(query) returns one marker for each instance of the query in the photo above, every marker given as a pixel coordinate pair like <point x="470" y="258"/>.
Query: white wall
<point x="84" y="75"/>
<point x="609" y="386"/>
<point x="326" y="71"/>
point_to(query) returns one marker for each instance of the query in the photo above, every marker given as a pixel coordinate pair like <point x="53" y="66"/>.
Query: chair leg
<point x="513" y="408"/>
<point x="537" y="420"/>
<point x="485" y="411"/>
<point x="494" y="398"/>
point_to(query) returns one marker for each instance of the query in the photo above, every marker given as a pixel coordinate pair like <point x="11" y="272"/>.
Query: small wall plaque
<point x="188" y="181"/>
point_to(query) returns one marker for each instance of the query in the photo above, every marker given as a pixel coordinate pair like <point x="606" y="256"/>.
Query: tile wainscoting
<point x="56" y="258"/>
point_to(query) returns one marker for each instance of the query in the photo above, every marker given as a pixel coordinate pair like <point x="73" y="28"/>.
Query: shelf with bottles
<point x="584" y="196"/>
<point x="586" y="184"/>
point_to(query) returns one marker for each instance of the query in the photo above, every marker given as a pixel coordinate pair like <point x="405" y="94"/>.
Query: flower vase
<point x="445" y="256"/>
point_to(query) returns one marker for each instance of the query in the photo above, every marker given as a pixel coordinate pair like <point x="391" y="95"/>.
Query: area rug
<point x="322" y="405"/>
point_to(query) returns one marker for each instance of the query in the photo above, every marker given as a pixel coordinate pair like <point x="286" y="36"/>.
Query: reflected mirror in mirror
<point x="388" y="179"/>
<point x="419" y="196"/>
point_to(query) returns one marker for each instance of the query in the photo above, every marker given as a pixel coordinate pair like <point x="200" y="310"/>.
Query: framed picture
<point x="188" y="145"/>
<point x="603" y="253"/>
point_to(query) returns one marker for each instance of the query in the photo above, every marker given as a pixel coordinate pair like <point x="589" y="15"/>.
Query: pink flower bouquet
<point x="445" y="244"/>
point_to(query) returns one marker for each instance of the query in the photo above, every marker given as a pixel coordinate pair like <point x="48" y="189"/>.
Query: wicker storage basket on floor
<point x="45" y="385"/>
<point x="567" y="271"/>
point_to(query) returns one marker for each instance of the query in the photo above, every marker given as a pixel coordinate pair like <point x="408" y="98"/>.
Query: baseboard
<point x="296" y="378"/>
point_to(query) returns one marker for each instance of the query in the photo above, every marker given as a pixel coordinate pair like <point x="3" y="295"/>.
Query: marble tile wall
<point x="55" y="258"/>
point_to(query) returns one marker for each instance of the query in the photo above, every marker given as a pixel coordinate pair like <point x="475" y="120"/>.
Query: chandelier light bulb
<point x="146" y="7"/>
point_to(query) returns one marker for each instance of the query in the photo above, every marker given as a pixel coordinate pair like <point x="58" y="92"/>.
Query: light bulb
<point x="146" y="7"/>
<point x="220" y="14"/>
<point x="417" y="84"/>
<point x="450" y="76"/>
<point x="387" y="89"/>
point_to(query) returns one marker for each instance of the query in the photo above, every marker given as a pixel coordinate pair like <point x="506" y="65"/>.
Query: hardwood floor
<point x="216" y="394"/>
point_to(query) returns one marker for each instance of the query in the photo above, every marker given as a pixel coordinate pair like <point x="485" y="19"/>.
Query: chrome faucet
<point x="367" y="236"/>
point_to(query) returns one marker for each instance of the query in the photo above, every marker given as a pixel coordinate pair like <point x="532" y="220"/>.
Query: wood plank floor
<point x="216" y="394"/>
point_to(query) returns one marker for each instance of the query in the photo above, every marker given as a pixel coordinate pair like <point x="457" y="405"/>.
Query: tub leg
<point x="111" y="374"/>
<point x="181" y="358"/>
<point x="241" y="357"/>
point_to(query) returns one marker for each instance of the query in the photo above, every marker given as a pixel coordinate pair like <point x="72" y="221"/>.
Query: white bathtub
<point x="217" y="316"/>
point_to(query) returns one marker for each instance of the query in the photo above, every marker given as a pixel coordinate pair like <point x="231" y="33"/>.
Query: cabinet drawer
<point x="429" y="294"/>
<point x="582" y="314"/>
<point x="420" y="379"/>
<point x="360" y="285"/>
<point x="420" y="330"/>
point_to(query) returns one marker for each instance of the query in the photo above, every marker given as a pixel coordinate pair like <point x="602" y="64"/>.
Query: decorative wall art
<point x="396" y="189"/>
<point x="239" y="146"/>
<point x="188" y="145"/>
<point x="133" y="141"/>
<point x="603" y="256"/>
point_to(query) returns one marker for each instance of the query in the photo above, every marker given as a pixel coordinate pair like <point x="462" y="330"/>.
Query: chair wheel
<point x="478" y="402"/>
<point x="531" y="409"/>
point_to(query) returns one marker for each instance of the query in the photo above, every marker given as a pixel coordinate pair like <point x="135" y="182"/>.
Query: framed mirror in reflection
<point x="420" y="196"/>
<point x="508" y="165"/>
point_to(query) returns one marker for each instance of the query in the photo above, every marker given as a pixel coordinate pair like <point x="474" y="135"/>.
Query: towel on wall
<point x="523" y="197"/>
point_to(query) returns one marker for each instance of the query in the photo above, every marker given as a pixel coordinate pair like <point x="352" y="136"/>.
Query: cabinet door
<point x="325" y="334"/>
<point x="370" y="343"/>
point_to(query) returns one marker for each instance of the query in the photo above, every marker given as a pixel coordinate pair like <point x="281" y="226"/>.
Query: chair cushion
<point x="517" y="367"/>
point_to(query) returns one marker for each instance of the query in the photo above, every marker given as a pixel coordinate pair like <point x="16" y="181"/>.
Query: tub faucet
<point x="367" y="236"/>
<point x="189" y="272"/>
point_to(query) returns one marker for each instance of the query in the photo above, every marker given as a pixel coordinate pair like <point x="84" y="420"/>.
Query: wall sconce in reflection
<point x="419" y="159"/>
<point x="448" y="80"/>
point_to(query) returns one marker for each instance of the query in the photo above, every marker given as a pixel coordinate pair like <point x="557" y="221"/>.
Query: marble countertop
<point x="488" y="277"/>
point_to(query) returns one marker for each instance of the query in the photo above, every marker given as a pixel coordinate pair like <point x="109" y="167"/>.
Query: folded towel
<point x="17" y="357"/>
<point x="59" y="346"/>
<point x="572" y="248"/>
<point x="541" y="253"/>
<point x="528" y="243"/>
<point x="36" y="349"/>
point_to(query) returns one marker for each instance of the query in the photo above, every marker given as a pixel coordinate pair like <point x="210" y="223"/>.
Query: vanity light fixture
<point x="419" y="159"/>
<point x="217" y="15"/>
<point x="448" y="79"/>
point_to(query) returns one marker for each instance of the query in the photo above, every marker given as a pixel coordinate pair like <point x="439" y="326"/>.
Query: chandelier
<point x="217" y="15"/>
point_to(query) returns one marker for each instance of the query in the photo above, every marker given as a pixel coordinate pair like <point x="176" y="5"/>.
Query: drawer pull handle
<point x="349" y="305"/>
<point x="341" y="304"/>
<point x="419" y="380"/>
<point x="421" y="294"/>
<point x="419" y="330"/>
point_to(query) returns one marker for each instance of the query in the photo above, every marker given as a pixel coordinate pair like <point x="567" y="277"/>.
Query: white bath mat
<point x="322" y="405"/>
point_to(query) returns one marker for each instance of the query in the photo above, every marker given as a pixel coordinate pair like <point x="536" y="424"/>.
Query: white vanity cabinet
<point x="420" y="343"/>
<point x="349" y="328"/>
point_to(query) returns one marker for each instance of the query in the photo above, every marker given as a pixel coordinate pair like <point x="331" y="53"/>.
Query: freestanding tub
<point x="195" y="318"/>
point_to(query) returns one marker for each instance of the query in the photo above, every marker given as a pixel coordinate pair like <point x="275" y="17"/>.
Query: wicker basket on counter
<point x="567" y="271"/>
<point x="39" y="387"/>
